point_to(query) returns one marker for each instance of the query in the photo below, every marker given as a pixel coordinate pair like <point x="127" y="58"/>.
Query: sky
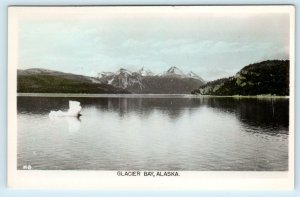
<point x="212" y="44"/>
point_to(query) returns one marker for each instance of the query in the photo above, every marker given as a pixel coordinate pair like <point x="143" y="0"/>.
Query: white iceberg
<point x="74" y="110"/>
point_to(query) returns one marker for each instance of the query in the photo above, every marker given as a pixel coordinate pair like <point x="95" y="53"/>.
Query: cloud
<point x="210" y="45"/>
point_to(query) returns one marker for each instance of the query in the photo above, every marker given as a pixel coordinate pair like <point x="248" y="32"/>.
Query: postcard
<point x="151" y="97"/>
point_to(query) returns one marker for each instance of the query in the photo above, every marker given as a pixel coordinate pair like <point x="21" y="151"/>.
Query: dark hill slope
<point x="47" y="81"/>
<point x="169" y="85"/>
<point x="267" y="77"/>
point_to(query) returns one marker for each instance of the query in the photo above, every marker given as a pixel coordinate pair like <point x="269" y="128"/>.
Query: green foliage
<point x="59" y="84"/>
<point x="268" y="77"/>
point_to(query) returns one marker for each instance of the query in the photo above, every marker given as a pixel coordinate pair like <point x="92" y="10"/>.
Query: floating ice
<point x="74" y="110"/>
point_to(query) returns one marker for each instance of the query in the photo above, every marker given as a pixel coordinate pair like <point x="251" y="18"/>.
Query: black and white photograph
<point x="151" y="92"/>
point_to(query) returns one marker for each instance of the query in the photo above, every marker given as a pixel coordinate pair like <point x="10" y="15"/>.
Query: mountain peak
<point x="174" y="71"/>
<point x="145" y="72"/>
<point x="124" y="71"/>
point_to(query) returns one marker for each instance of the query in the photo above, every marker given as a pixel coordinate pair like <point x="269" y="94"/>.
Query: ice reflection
<point x="155" y="134"/>
<point x="270" y="114"/>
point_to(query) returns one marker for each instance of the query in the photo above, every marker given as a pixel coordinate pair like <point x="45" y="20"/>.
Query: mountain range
<point x="269" y="77"/>
<point x="144" y="81"/>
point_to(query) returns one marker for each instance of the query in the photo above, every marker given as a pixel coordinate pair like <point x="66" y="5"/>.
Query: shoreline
<point x="144" y="95"/>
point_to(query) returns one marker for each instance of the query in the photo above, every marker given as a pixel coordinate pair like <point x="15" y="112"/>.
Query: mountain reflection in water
<point x="155" y="134"/>
<point x="264" y="112"/>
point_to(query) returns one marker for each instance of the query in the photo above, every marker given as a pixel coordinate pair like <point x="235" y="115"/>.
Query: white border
<point x="211" y="180"/>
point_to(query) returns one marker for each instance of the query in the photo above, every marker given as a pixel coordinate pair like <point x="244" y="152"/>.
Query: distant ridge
<point x="37" y="80"/>
<point x="191" y="74"/>
<point x="144" y="81"/>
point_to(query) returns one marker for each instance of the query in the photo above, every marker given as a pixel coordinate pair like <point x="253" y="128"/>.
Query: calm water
<point x="154" y="134"/>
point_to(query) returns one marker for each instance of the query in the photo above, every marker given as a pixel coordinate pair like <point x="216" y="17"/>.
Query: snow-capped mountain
<point x="123" y="78"/>
<point x="193" y="75"/>
<point x="172" y="81"/>
<point x="174" y="72"/>
<point x="124" y="72"/>
<point x="145" y="72"/>
<point x="105" y="74"/>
